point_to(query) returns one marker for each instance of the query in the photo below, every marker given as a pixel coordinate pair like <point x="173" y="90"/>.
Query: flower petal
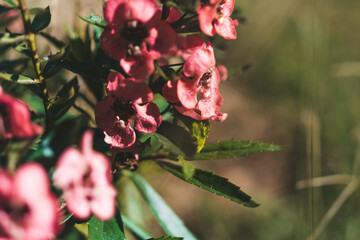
<point x="142" y="10"/>
<point x="225" y="27"/>
<point x="199" y="62"/>
<point x="112" y="43"/>
<point x="148" y="118"/>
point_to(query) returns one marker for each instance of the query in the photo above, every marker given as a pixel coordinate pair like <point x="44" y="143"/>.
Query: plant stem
<point x="30" y="35"/>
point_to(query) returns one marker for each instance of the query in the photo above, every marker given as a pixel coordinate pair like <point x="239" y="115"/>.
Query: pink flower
<point x="28" y="210"/>
<point x="85" y="179"/>
<point x="15" y="119"/>
<point x="198" y="88"/>
<point x="133" y="26"/>
<point x="214" y="16"/>
<point x="127" y="105"/>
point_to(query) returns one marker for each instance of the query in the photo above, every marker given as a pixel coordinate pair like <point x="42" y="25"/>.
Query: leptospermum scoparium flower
<point x="127" y="105"/>
<point x="85" y="179"/>
<point x="15" y="122"/>
<point x="136" y="35"/>
<point x="214" y="16"/>
<point x="28" y="210"/>
<point x="198" y="88"/>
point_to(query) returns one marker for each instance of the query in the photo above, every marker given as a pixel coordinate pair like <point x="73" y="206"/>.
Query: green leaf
<point x="42" y="20"/>
<point x="233" y="149"/>
<point x="65" y="99"/>
<point x="176" y="139"/>
<point x="4" y="9"/>
<point x="160" y="102"/>
<point x="213" y="183"/>
<point x="95" y="20"/>
<point x="10" y="64"/>
<point x="134" y="228"/>
<point x="23" y="48"/>
<point x="11" y="38"/>
<point x="187" y="168"/>
<point x="166" y="238"/>
<point x="17" y="78"/>
<point x="54" y="64"/>
<point x="200" y="131"/>
<point x="109" y="230"/>
<point x="170" y="222"/>
<point x="11" y="3"/>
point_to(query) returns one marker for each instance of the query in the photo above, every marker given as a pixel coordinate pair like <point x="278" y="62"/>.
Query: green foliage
<point x="42" y="20"/>
<point x="232" y="149"/>
<point x="201" y="131"/>
<point x="135" y="228"/>
<point x="65" y="99"/>
<point x="187" y="168"/>
<point x="213" y="183"/>
<point x="17" y="78"/>
<point x="11" y="38"/>
<point x="10" y="64"/>
<point x="106" y="230"/>
<point x="54" y="64"/>
<point x="176" y="139"/>
<point x="95" y="20"/>
<point x="4" y="9"/>
<point x="166" y="238"/>
<point x="11" y="3"/>
<point x="166" y="217"/>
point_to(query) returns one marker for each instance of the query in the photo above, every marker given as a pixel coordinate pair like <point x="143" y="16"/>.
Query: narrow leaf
<point x="23" y="48"/>
<point x="170" y="222"/>
<point x="11" y="3"/>
<point x="95" y="20"/>
<point x="187" y="168"/>
<point x="179" y="137"/>
<point x="41" y="20"/>
<point x="10" y="64"/>
<point x="17" y="78"/>
<point x="213" y="183"/>
<point x="65" y="99"/>
<point x="233" y="149"/>
<point x="11" y="38"/>
<point x="134" y="228"/>
<point x="109" y="230"/>
<point x="54" y="64"/>
<point x="166" y="238"/>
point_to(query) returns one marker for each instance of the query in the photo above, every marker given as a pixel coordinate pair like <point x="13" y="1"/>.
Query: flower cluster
<point x="145" y="38"/>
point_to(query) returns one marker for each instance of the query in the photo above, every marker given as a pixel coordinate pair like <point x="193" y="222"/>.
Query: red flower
<point x="28" y="210"/>
<point x="85" y="178"/>
<point x="15" y="119"/>
<point x="198" y="89"/>
<point x="126" y="106"/>
<point x="135" y="25"/>
<point x="214" y="16"/>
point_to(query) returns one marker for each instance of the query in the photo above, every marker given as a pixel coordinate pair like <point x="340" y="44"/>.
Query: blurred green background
<point x="294" y="80"/>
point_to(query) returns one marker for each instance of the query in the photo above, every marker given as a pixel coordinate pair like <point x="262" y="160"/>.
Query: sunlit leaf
<point x="23" y="48"/>
<point x="11" y="3"/>
<point x="42" y="20"/>
<point x="187" y="168"/>
<point x="17" y="78"/>
<point x="95" y="20"/>
<point x="213" y="183"/>
<point x="233" y="149"/>
<point x="11" y="38"/>
<point x="170" y="222"/>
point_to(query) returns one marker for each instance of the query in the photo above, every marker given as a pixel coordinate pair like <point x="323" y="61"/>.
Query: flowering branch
<point x="30" y="36"/>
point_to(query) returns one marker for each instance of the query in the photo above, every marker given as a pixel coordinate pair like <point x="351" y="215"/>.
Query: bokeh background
<point x="294" y="80"/>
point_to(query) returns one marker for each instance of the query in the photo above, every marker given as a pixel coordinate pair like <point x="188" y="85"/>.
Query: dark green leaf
<point x="135" y="228"/>
<point x="160" y="102"/>
<point x="65" y="99"/>
<point x="95" y="20"/>
<point x="10" y="64"/>
<point x="213" y="183"/>
<point x="232" y="149"/>
<point x="4" y="9"/>
<point x="42" y="20"/>
<point x="109" y="230"/>
<point x="20" y="79"/>
<point x="54" y="65"/>
<point x="11" y="38"/>
<point x="166" y="217"/>
<point x="176" y="139"/>
<point x="53" y="40"/>
<point x="11" y="3"/>
<point x="166" y="238"/>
